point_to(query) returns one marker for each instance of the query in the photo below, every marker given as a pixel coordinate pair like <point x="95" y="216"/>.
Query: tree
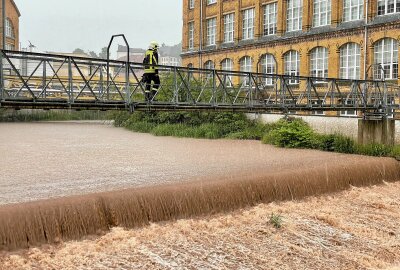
<point x="103" y="53"/>
<point x="93" y="54"/>
<point x="78" y="51"/>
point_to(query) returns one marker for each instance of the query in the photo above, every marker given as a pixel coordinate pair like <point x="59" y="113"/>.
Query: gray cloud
<point x="63" y="25"/>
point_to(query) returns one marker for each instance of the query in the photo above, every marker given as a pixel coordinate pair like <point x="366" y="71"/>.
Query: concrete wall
<point x="328" y="125"/>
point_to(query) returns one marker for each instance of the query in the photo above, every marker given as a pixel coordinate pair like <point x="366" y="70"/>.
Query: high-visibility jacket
<point x="151" y="58"/>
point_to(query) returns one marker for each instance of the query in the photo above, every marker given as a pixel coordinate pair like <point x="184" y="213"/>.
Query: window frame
<point x="248" y="23"/>
<point x="229" y="34"/>
<point x="387" y="58"/>
<point x="319" y="63"/>
<point x="211" y="28"/>
<point x="211" y="2"/>
<point x="246" y="65"/>
<point x="348" y="10"/>
<point x="9" y="29"/>
<point x="191" y="4"/>
<point x="270" y="19"/>
<point x="396" y="7"/>
<point x="191" y="35"/>
<point x="292" y="59"/>
<point x="318" y="12"/>
<point x="229" y="67"/>
<point x="345" y="71"/>
<point x="294" y="13"/>
<point x="268" y="66"/>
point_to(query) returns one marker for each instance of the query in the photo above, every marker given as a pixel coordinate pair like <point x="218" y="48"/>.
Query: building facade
<point x="11" y="25"/>
<point x="350" y="39"/>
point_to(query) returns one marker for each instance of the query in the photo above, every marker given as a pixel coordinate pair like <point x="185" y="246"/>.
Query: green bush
<point x="395" y="152"/>
<point x="336" y="143"/>
<point x="374" y="149"/>
<point x="292" y="133"/>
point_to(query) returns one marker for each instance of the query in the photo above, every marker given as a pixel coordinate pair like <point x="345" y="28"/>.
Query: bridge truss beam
<point x="48" y="81"/>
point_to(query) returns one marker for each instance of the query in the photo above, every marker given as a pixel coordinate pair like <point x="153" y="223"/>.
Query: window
<point x="211" y="31"/>
<point x="349" y="112"/>
<point x="227" y="64"/>
<point x="248" y="23"/>
<point x="294" y="15"/>
<point x="229" y="26"/>
<point x="350" y="61"/>
<point x="317" y="103"/>
<point x="191" y="4"/>
<point x="353" y="10"/>
<point x="209" y="65"/>
<point x="191" y="35"/>
<point x="270" y="12"/>
<point x="388" y="6"/>
<point x="292" y="65"/>
<point x="268" y="66"/>
<point x="209" y="2"/>
<point x="10" y="47"/>
<point x="387" y="59"/>
<point x="322" y="12"/>
<point x="9" y="29"/>
<point x="319" y="62"/>
<point x="245" y="66"/>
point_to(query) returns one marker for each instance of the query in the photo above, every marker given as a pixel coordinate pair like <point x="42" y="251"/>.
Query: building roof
<point x="172" y="51"/>
<point x="16" y="8"/>
<point x="122" y="48"/>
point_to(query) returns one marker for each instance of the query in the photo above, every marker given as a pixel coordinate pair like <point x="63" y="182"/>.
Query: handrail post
<point x="176" y="90"/>
<point x="44" y="87"/>
<point x="128" y="92"/>
<point x="70" y="84"/>
<point x="1" y="77"/>
<point x="214" y="91"/>
<point x="127" y="66"/>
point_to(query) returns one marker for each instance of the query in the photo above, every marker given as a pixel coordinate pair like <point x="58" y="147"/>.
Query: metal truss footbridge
<point x="51" y="81"/>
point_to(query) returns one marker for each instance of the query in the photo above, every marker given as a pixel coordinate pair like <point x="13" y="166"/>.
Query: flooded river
<point x="45" y="160"/>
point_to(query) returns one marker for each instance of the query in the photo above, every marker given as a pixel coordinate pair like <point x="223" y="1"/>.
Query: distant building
<point x="168" y="55"/>
<point x="135" y="54"/>
<point x="12" y="25"/>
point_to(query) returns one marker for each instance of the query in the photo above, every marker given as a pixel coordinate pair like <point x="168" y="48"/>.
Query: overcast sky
<point x="63" y="25"/>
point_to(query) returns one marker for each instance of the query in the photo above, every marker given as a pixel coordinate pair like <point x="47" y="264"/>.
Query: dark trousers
<point x="151" y="91"/>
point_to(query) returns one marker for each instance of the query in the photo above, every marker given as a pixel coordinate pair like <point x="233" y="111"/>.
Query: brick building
<point x="320" y="38"/>
<point x="11" y="25"/>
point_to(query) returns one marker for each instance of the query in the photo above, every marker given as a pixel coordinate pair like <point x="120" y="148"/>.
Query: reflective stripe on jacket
<point x="152" y="57"/>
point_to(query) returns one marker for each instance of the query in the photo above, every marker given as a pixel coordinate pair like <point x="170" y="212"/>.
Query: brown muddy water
<point x="150" y="179"/>
<point x="47" y="160"/>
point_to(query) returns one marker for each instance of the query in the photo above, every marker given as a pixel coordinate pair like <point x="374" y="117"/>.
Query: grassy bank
<point x="52" y="115"/>
<point x="288" y="133"/>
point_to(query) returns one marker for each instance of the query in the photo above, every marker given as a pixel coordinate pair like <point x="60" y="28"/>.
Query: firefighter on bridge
<point x="151" y="71"/>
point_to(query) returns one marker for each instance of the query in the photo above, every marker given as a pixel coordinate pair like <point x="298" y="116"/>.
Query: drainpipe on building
<point x="366" y="40"/>
<point x="3" y="7"/>
<point x="201" y="35"/>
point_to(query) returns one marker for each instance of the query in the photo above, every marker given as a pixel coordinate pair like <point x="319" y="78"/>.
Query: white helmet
<point x="154" y="45"/>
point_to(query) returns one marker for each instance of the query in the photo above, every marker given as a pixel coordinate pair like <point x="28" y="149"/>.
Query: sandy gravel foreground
<point x="356" y="229"/>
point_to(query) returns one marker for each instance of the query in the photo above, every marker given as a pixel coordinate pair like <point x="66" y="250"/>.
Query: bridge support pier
<point x="376" y="131"/>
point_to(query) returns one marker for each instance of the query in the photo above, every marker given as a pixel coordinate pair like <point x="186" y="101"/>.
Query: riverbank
<point x="286" y="133"/>
<point x="51" y="115"/>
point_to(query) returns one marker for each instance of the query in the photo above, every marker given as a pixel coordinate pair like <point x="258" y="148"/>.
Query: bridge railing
<point x="48" y="80"/>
